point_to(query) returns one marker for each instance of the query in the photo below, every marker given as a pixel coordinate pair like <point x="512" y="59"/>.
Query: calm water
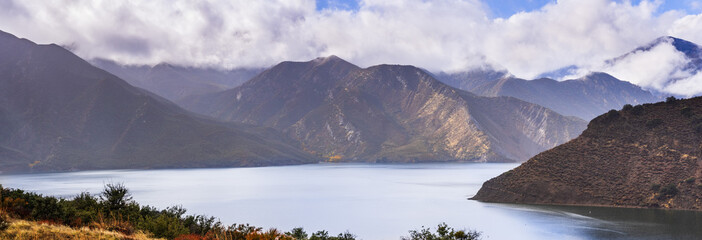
<point x="371" y="201"/>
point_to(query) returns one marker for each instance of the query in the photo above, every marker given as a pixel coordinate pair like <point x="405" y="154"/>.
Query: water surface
<point x="371" y="201"/>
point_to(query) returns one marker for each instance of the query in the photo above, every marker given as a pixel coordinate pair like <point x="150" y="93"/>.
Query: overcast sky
<point x="525" y="37"/>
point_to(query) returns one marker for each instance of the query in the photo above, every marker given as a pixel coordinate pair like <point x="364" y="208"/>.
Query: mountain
<point x="59" y="113"/>
<point x="644" y="156"/>
<point x="176" y="82"/>
<point x="586" y="97"/>
<point x="387" y="113"/>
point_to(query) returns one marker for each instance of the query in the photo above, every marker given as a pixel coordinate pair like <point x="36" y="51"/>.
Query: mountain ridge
<point x="384" y="113"/>
<point x="59" y="113"/>
<point x="585" y="97"/>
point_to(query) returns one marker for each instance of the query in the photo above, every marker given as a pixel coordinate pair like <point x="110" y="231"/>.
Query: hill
<point x="643" y="156"/>
<point x="59" y="113"/>
<point x="387" y="113"/>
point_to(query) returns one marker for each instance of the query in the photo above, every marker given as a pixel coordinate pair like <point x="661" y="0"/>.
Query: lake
<point x="372" y="201"/>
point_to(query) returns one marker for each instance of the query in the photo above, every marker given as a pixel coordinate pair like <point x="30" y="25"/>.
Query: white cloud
<point x="447" y="35"/>
<point x="650" y="68"/>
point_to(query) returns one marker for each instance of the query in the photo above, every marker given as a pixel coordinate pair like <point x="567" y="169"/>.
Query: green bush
<point x="668" y="191"/>
<point x="297" y="233"/>
<point x="655" y="187"/>
<point x="627" y="107"/>
<point x="690" y="180"/>
<point x="671" y="99"/>
<point x="443" y="232"/>
<point x="115" y="196"/>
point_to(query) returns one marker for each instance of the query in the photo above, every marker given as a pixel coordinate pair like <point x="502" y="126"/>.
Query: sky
<point x="526" y="37"/>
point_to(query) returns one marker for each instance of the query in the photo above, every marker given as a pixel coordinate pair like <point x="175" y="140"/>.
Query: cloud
<point x="651" y="68"/>
<point x="447" y="35"/>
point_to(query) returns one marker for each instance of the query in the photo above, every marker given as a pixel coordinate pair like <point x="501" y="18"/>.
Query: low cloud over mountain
<point x="441" y="35"/>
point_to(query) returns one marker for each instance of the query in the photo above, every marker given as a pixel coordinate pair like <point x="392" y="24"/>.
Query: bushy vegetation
<point x="668" y="191"/>
<point x="443" y="232"/>
<point x="627" y="107"/>
<point x="114" y="210"/>
<point x="671" y="99"/>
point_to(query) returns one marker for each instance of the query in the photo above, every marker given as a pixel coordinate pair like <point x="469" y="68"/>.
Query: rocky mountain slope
<point x="644" y="156"/>
<point x="586" y="97"/>
<point x="176" y="82"/>
<point x="58" y="113"/>
<point x="387" y="113"/>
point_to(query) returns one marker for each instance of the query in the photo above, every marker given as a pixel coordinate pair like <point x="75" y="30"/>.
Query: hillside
<point x="176" y="82"/>
<point x="59" y="113"/>
<point x="387" y="113"/>
<point x="586" y="97"/>
<point x="643" y="156"/>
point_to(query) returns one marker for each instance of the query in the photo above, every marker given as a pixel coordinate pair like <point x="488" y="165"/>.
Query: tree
<point x="115" y="196"/>
<point x="443" y="232"/>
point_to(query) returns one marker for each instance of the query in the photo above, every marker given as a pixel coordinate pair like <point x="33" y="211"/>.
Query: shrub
<point x="443" y="232"/>
<point x="297" y="233"/>
<point x="115" y="196"/>
<point x="627" y="107"/>
<point x="668" y="191"/>
<point x="671" y="99"/>
<point x="655" y="187"/>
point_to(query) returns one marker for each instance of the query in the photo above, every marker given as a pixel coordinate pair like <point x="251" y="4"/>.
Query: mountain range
<point x="59" y="112"/>
<point x="387" y="113"/>
<point x="642" y="156"/>
<point x="176" y="82"/>
<point x="586" y="97"/>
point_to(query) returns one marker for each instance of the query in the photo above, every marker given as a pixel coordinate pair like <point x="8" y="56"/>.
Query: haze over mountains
<point x="176" y="82"/>
<point x="586" y="97"/>
<point x="643" y="156"/>
<point x="387" y="113"/>
<point x="59" y="113"/>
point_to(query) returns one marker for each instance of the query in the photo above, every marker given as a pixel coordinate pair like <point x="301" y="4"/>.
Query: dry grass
<point x="20" y="229"/>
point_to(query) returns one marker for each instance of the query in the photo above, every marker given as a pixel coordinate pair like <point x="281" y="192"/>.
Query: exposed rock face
<point x="646" y="156"/>
<point x="175" y="82"/>
<point x="58" y="113"/>
<point x="586" y="97"/>
<point x="387" y="113"/>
